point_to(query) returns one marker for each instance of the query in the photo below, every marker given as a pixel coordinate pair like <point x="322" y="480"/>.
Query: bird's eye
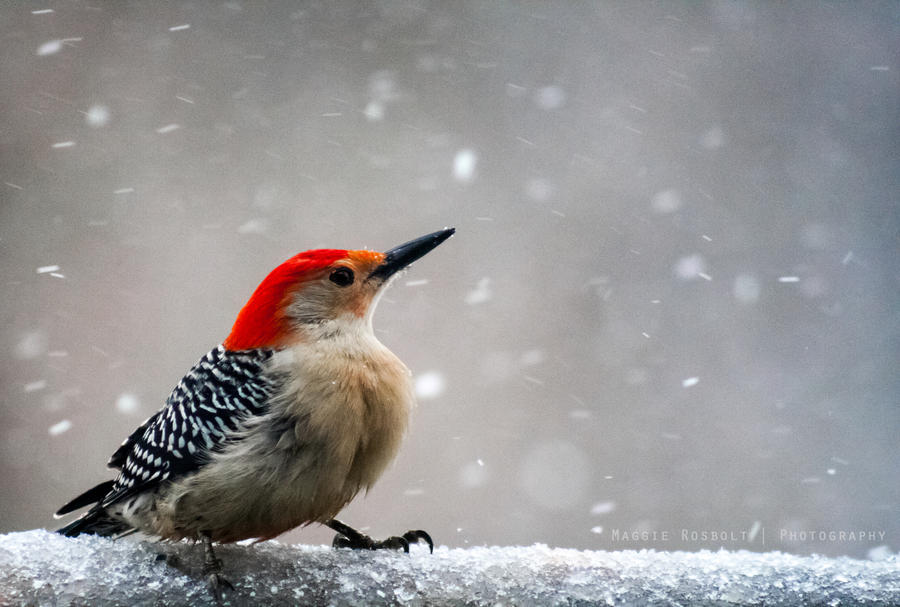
<point x="342" y="277"/>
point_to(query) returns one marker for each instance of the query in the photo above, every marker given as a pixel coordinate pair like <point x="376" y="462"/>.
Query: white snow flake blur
<point x="550" y="97"/>
<point x="49" y="48"/>
<point x="691" y="267"/>
<point x="97" y="115"/>
<point x="746" y="289"/>
<point x="604" y="507"/>
<point x="35" y="386"/>
<point x="481" y="293"/>
<point x="539" y="189"/>
<point x="474" y="474"/>
<point x="667" y="201"/>
<point x="254" y="226"/>
<point x="374" y="111"/>
<point x="60" y="427"/>
<point x="31" y="345"/>
<point x="713" y="139"/>
<point x="532" y="357"/>
<point x="430" y="384"/>
<point x="464" y="165"/>
<point x="127" y="403"/>
<point x="382" y="93"/>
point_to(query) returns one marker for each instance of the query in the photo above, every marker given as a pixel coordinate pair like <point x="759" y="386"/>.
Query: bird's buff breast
<point x="332" y="429"/>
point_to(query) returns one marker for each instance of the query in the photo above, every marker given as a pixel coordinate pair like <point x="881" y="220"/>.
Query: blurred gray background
<point x="671" y="305"/>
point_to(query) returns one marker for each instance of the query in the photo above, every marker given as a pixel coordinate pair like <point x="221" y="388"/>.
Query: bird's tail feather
<point x="95" y="522"/>
<point x="89" y="497"/>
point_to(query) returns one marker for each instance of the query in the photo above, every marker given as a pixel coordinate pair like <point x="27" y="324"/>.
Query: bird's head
<point x="322" y="291"/>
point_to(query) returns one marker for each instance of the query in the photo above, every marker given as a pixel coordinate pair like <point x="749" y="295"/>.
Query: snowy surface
<point x="39" y="567"/>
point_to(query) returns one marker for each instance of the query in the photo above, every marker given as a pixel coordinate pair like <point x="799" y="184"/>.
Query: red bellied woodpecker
<point x="281" y="425"/>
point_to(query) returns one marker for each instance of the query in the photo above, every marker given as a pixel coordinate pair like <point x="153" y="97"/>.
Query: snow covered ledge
<point x="42" y="568"/>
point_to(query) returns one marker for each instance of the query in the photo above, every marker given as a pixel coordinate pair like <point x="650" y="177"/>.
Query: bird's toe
<point x="393" y="543"/>
<point x="413" y="536"/>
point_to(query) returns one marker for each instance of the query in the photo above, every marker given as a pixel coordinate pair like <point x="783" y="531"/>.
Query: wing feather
<point x="203" y="412"/>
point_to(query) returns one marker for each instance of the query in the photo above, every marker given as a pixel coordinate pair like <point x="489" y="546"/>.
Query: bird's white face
<point x="339" y="297"/>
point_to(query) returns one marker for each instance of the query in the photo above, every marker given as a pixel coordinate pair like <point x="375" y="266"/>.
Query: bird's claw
<point x="217" y="581"/>
<point x="414" y="535"/>
<point x="393" y="543"/>
<point x="364" y="542"/>
<point x="342" y="541"/>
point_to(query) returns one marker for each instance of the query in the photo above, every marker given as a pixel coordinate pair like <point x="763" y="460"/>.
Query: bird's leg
<point x="348" y="537"/>
<point x="212" y="568"/>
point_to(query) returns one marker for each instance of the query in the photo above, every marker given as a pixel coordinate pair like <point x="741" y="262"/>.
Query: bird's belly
<point x="252" y="497"/>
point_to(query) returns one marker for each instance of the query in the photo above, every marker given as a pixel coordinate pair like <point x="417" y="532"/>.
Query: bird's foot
<point x="217" y="582"/>
<point x="212" y="571"/>
<point x="395" y="542"/>
<point x="348" y="537"/>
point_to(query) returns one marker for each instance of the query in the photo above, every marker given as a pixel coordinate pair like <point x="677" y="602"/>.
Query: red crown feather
<point x="261" y="322"/>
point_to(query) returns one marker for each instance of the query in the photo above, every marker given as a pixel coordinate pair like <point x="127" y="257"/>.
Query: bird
<point x="299" y="409"/>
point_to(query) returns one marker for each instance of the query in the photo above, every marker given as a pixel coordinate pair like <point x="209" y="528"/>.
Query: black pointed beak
<point x="399" y="257"/>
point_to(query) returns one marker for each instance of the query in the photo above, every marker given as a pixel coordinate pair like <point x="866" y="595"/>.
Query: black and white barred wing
<point x="201" y="414"/>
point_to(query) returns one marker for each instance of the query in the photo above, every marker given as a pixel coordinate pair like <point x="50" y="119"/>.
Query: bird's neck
<point x="348" y="332"/>
<point x="339" y="357"/>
